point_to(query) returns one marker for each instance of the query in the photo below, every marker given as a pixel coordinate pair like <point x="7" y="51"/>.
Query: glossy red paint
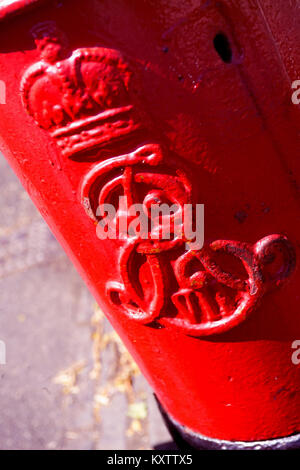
<point x="15" y="7"/>
<point x="183" y="102"/>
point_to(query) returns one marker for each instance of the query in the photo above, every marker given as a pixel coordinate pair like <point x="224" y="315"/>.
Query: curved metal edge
<point x="9" y="8"/>
<point x="187" y="439"/>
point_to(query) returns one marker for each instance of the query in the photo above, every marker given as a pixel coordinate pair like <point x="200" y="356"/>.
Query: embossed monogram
<point x="83" y="99"/>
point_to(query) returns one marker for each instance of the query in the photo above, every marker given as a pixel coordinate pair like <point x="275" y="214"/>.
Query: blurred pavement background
<point x="68" y="382"/>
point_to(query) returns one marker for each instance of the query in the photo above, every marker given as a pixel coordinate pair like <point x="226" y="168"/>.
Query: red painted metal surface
<point x="185" y="102"/>
<point x="13" y="7"/>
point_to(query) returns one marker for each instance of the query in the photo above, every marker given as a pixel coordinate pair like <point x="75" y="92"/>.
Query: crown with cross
<point x="82" y="98"/>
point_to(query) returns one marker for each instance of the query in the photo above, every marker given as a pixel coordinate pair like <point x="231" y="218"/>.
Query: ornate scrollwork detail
<point x="212" y="300"/>
<point x="209" y="299"/>
<point x="135" y="176"/>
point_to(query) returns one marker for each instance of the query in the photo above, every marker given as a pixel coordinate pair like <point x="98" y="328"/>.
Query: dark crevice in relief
<point x="223" y="47"/>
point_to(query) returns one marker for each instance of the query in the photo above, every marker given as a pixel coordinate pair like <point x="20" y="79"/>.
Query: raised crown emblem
<point x="82" y="98"/>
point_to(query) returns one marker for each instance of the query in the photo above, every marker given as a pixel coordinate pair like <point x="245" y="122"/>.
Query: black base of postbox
<point x="186" y="439"/>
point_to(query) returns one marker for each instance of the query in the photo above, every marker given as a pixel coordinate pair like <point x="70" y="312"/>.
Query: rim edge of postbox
<point x="9" y="8"/>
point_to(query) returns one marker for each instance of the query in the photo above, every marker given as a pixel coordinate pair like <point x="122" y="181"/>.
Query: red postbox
<point x="185" y="103"/>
